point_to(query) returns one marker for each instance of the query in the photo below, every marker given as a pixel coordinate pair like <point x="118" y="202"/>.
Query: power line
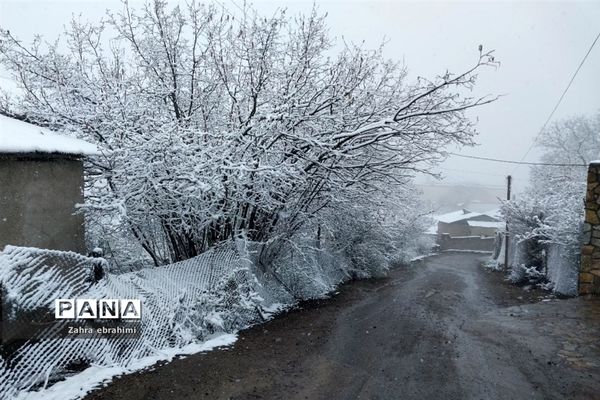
<point x="238" y="7"/>
<point x="519" y="162"/>
<point x="562" y="96"/>
<point x="468" y="172"/>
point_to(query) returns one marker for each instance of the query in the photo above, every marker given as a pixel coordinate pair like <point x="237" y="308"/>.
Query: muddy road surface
<point x="442" y="328"/>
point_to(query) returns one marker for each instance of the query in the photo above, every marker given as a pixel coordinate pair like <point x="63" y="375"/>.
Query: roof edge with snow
<point x="18" y="137"/>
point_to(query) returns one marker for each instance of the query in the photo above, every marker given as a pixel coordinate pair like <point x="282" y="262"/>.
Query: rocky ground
<point x="441" y="328"/>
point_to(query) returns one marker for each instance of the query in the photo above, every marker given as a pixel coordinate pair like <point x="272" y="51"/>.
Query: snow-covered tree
<point x="551" y="210"/>
<point x="215" y="126"/>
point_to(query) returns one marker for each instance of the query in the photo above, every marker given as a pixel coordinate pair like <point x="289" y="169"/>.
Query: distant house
<point x="467" y="223"/>
<point x="41" y="181"/>
<point x="484" y="228"/>
<point x="466" y="230"/>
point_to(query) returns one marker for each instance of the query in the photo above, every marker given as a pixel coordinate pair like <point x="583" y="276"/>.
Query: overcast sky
<point x="540" y="45"/>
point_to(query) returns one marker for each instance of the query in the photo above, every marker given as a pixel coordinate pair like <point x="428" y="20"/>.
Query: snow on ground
<point x="21" y="137"/>
<point x="77" y="386"/>
<point x="421" y="257"/>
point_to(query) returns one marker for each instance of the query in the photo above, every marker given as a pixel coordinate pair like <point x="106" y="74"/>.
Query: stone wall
<point x="589" y="275"/>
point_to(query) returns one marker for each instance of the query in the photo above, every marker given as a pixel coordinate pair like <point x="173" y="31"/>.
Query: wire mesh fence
<point x="222" y="290"/>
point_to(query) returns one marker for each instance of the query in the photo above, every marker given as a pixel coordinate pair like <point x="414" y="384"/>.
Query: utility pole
<point x="506" y="237"/>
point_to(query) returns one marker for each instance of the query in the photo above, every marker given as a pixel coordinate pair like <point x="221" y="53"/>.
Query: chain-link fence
<point x="222" y="290"/>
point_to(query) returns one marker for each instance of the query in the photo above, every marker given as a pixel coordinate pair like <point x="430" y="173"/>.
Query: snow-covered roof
<point x="21" y="137"/>
<point x="455" y="216"/>
<point x="494" y="213"/>
<point x="486" y="224"/>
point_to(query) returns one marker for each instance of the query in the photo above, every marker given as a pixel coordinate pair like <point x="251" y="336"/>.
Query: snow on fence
<point x="218" y="291"/>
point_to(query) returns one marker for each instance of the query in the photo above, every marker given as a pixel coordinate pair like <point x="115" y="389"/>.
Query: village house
<point x="466" y="230"/>
<point x="467" y="223"/>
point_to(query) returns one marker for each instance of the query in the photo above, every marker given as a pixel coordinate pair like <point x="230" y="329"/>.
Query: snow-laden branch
<point x="219" y="125"/>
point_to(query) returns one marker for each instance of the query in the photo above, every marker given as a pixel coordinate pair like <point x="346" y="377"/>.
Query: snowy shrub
<point x="225" y="307"/>
<point x="533" y="274"/>
<point x="379" y="232"/>
<point x="303" y="266"/>
<point x="492" y="264"/>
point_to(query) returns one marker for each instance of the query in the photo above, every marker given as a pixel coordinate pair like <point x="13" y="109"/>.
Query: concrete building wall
<point x="38" y="194"/>
<point x="482" y="231"/>
<point x="589" y="275"/>
<point x="446" y="242"/>
<point x="460" y="228"/>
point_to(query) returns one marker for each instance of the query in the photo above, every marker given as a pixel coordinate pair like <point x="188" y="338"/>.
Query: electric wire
<point x="562" y="96"/>
<point x="519" y="162"/>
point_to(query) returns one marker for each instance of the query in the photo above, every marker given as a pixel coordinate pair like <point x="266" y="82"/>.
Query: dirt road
<point x="443" y="328"/>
